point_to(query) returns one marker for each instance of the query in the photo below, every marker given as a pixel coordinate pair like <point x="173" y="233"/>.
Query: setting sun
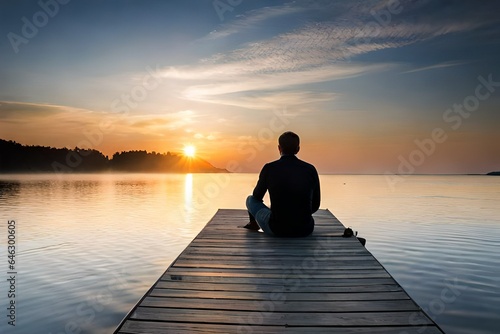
<point x="189" y="151"/>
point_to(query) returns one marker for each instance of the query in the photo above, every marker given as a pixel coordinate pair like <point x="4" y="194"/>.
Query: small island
<point x="17" y="158"/>
<point x="497" y="173"/>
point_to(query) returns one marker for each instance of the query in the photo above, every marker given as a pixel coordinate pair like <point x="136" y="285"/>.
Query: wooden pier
<point x="232" y="280"/>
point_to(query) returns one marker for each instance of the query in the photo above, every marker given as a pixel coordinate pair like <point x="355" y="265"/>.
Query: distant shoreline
<point x="18" y="158"/>
<point x="223" y="171"/>
<point x="108" y="172"/>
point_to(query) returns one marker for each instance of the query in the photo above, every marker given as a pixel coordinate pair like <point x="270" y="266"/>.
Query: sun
<point x="189" y="151"/>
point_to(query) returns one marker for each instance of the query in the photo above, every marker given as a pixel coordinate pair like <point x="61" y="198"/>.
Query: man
<point x="294" y="191"/>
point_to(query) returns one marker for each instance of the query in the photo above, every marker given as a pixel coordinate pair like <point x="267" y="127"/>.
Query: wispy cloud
<point x="272" y="81"/>
<point x="243" y="85"/>
<point x="269" y="100"/>
<point x="39" y="113"/>
<point x="436" y="66"/>
<point x="311" y="52"/>
<point x="339" y="31"/>
<point x="161" y="123"/>
<point x="33" y="119"/>
<point x="252" y="20"/>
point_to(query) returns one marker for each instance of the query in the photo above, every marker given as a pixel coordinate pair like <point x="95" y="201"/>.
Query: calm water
<point x="89" y="246"/>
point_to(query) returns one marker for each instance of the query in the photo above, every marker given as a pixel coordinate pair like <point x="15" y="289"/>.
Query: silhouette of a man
<point x="294" y="191"/>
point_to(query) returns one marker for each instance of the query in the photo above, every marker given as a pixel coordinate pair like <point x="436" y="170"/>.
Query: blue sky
<point x="362" y="82"/>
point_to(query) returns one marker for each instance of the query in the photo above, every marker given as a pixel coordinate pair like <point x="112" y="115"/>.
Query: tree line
<point x="15" y="157"/>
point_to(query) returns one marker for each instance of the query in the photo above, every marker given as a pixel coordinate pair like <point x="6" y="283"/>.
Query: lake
<point x="88" y="246"/>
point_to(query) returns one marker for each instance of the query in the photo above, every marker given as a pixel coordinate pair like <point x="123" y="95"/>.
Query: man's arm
<point x="261" y="187"/>
<point x="316" y="196"/>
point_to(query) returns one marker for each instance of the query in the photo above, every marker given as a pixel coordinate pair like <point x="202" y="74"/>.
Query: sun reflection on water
<point x="188" y="192"/>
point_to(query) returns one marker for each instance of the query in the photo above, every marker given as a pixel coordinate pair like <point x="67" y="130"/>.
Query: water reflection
<point x="188" y="192"/>
<point x="186" y="210"/>
<point x="78" y="231"/>
<point x="9" y="188"/>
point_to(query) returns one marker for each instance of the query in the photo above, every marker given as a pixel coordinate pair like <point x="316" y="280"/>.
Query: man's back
<point x="294" y="191"/>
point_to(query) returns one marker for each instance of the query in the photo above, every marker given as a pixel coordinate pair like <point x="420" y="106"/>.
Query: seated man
<point x="294" y="191"/>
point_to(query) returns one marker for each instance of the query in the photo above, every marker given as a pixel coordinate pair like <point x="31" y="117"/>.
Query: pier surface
<point x="232" y="280"/>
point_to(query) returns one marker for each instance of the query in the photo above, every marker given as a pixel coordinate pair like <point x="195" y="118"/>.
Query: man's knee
<point x="250" y="199"/>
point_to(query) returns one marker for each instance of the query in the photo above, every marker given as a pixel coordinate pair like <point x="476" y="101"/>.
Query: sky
<point x="384" y="87"/>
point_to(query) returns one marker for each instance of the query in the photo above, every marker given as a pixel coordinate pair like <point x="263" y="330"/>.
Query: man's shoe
<point x="252" y="225"/>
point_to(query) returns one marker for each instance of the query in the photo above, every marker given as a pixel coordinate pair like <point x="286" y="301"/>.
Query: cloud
<point x="342" y="30"/>
<point x="159" y="123"/>
<point x="319" y="44"/>
<point x="267" y="100"/>
<point x="47" y="124"/>
<point x="322" y="46"/>
<point x="39" y="113"/>
<point x="34" y="120"/>
<point x="436" y="66"/>
<point x="251" y="20"/>
<point x="209" y="136"/>
<point x="244" y="85"/>
<point x="268" y="81"/>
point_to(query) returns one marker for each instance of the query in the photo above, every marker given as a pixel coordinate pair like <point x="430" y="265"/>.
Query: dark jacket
<point x="294" y="191"/>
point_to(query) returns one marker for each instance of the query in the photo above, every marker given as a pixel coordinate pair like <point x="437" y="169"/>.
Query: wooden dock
<point x="231" y="280"/>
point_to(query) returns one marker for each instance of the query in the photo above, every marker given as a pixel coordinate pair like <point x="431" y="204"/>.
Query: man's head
<point x="289" y="143"/>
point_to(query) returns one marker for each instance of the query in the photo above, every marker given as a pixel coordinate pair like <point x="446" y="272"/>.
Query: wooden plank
<point x="281" y="318"/>
<point x="154" y="327"/>
<point x="317" y="282"/>
<point x="263" y="263"/>
<point x="241" y="251"/>
<point x="231" y="280"/>
<point x="179" y="273"/>
<point x="286" y="306"/>
<point x="269" y="258"/>
<point x="205" y="286"/>
<point x="265" y="295"/>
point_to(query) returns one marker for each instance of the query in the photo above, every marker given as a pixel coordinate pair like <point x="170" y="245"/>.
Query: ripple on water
<point x="104" y="240"/>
